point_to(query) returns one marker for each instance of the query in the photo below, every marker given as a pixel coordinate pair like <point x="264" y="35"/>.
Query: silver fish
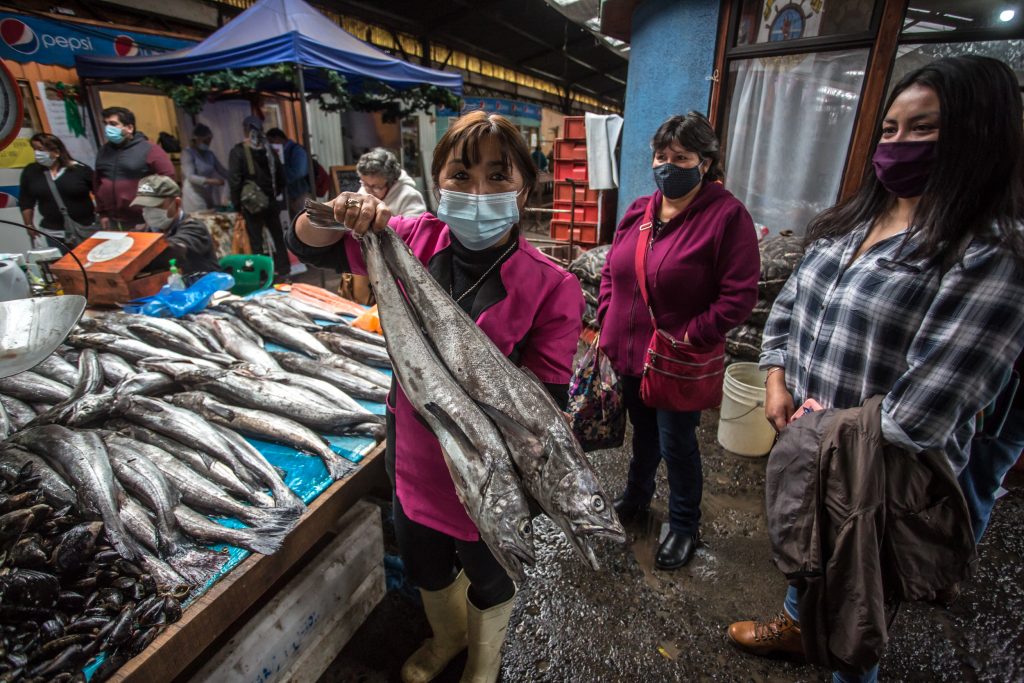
<point x="285" y="313"/>
<point x="80" y="457"/>
<point x="33" y="388"/>
<point x="370" y="354"/>
<point x="19" y="412"/>
<point x="263" y="425"/>
<point x="199" y="492"/>
<point x="159" y="338"/>
<point x="199" y="527"/>
<point x="312" y="312"/>
<point x="214" y="470"/>
<point x="145" y="481"/>
<point x="130" y="349"/>
<point x="356" y="387"/>
<point x="202" y="333"/>
<point x="473" y="449"/>
<point x="240" y="325"/>
<point x="56" y="492"/>
<point x="148" y="383"/>
<point x="358" y="369"/>
<point x="115" y="368"/>
<point x="90" y="375"/>
<point x="83" y="412"/>
<point x="549" y="458"/>
<point x="168" y="326"/>
<point x="254" y="392"/>
<point x="273" y="329"/>
<point x="326" y="390"/>
<point x="108" y="324"/>
<point x="240" y="346"/>
<point x="58" y="369"/>
<point x="346" y="330"/>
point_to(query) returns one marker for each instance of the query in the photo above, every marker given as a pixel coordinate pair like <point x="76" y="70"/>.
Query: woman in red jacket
<point x="701" y="273"/>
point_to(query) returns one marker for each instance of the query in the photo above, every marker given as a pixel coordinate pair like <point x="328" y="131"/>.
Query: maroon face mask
<point x="903" y="168"/>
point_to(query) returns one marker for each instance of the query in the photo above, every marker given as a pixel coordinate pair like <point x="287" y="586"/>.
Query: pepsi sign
<point x="30" y="39"/>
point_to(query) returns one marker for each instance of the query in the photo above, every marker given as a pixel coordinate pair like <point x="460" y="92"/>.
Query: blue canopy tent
<point x="275" y="32"/>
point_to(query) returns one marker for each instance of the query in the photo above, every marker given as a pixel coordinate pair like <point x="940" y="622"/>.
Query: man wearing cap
<point x="188" y="240"/>
<point x="255" y="178"/>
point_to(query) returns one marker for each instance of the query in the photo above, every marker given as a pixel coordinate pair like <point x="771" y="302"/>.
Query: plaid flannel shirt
<point x="938" y="346"/>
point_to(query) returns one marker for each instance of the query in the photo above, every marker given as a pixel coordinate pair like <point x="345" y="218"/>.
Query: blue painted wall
<point x="672" y="55"/>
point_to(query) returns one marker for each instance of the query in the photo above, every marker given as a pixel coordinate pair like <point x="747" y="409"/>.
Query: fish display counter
<point x="159" y="476"/>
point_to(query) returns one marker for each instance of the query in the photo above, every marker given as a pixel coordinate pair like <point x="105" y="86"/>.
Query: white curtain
<point x="790" y="121"/>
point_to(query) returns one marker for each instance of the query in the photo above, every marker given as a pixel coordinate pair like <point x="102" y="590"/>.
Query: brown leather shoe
<point x="780" y="635"/>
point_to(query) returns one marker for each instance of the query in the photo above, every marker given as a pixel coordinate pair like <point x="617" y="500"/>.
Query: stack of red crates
<point x="571" y="162"/>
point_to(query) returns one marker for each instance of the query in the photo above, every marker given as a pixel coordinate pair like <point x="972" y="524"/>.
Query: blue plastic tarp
<point x="274" y="32"/>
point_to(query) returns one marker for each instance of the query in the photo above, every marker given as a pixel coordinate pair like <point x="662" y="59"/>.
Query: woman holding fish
<point x="530" y="308"/>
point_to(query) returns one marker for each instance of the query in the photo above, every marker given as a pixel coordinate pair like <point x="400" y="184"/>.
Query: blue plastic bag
<point x="180" y="302"/>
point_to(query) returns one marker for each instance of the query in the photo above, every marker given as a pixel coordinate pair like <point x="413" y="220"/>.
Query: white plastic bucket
<point x="742" y="427"/>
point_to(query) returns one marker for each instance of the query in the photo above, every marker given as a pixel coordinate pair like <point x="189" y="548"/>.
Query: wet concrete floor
<point x="630" y="622"/>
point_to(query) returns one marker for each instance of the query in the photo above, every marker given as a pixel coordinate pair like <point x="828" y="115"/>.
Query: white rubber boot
<point x="446" y="612"/>
<point x="486" y="636"/>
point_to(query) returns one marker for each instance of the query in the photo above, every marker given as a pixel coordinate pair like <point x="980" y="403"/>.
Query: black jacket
<point x="75" y="187"/>
<point x="190" y="243"/>
<point x="858" y="525"/>
<point x="238" y="173"/>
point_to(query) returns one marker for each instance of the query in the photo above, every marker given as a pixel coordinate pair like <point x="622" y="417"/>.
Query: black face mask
<point x="675" y="182"/>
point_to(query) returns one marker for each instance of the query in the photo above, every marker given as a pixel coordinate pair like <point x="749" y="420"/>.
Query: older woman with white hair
<point x="382" y="176"/>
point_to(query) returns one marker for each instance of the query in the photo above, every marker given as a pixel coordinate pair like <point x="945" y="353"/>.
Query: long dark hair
<point x="695" y="133"/>
<point x="53" y="144"/>
<point x="976" y="188"/>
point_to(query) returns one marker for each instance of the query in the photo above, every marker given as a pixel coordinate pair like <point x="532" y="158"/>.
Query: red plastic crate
<point x="577" y="170"/>
<point x="570" y="150"/>
<point x="564" y="192"/>
<point x="583" y="233"/>
<point x="584" y="213"/>
<point x="574" y="128"/>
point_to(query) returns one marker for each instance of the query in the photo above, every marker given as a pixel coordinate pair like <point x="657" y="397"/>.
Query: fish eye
<point x="525" y="528"/>
<point x="598" y="503"/>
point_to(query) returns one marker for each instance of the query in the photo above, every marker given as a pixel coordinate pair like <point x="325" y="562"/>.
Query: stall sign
<point x="18" y="154"/>
<point x="495" y="105"/>
<point x="30" y="39"/>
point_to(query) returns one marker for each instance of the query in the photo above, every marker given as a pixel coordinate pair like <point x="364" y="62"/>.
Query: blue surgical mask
<point x="44" y="159"/>
<point x="114" y="134"/>
<point x="479" y="221"/>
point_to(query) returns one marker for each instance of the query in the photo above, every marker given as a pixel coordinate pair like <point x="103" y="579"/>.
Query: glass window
<point x="769" y="21"/>
<point x="910" y="57"/>
<point x="790" y="121"/>
<point x="931" y="16"/>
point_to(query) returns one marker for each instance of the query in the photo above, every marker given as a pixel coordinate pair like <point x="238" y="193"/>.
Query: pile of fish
<point x="65" y="594"/>
<point x="134" y="431"/>
<point x="504" y="439"/>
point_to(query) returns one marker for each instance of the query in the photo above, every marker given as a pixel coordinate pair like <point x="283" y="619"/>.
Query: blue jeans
<point x="793" y="611"/>
<point x="668" y="435"/>
<point x="991" y="458"/>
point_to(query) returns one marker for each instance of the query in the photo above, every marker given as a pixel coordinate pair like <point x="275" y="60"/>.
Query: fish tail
<point x="272" y="518"/>
<point x="338" y="467"/>
<point x="124" y="543"/>
<point x="197" y="565"/>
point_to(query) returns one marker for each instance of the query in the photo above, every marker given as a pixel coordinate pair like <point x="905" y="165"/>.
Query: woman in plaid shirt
<point x="913" y="287"/>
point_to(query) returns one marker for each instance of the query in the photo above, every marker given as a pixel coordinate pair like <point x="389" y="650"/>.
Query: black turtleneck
<point x="468" y="266"/>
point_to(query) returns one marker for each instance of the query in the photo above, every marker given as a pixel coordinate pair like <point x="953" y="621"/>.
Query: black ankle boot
<point x="629" y="512"/>
<point x="675" y="551"/>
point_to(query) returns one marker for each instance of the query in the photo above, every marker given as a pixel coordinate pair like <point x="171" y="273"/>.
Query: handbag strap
<point x="248" y="160"/>
<point x="644" y="239"/>
<point x="56" y="194"/>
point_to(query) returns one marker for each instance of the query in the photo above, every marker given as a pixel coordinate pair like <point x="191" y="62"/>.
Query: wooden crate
<point x="118" y="280"/>
<point x="297" y="634"/>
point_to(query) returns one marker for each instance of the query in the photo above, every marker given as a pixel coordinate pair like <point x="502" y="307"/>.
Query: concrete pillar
<point x="671" y="59"/>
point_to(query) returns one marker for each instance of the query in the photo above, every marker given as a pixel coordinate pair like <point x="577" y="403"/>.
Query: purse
<point x="597" y="414"/>
<point x="252" y="198"/>
<point x="240" y="243"/>
<point x="677" y="375"/>
<point x="74" y="232"/>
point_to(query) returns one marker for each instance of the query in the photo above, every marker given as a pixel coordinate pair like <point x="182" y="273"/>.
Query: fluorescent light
<point x="1007" y="15"/>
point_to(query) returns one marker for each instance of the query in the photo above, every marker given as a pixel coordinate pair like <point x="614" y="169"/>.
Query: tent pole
<point x="305" y="129"/>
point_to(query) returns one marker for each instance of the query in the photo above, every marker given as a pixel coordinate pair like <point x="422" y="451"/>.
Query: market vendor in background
<point x="529" y="307"/>
<point x="203" y="174"/>
<point x="294" y="159"/>
<point x="701" y="265"/>
<point x="62" y="190"/>
<point x="381" y="176"/>
<point x="125" y="158"/>
<point x="188" y="240"/>
<point x="255" y="179"/>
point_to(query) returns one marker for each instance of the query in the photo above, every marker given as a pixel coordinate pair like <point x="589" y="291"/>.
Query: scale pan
<point x="31" y="329"/>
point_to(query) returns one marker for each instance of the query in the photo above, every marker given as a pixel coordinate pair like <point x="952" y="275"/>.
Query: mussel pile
<point x="67" y="597"/>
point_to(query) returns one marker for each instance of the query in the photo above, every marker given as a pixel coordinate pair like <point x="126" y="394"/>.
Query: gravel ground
<point x="629" y="622"/>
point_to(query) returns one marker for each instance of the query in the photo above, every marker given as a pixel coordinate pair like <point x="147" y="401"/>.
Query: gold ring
<point x="352" y="202"/>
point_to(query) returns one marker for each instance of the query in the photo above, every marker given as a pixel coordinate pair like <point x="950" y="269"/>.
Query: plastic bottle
<point x="174" y="281"/>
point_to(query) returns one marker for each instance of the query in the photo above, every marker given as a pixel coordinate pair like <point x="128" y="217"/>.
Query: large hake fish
<point x="273" y="329"/>
<point x="34" y="388"/>
<point x="240" y="346"/>
<point x="130" y="349"/>
<point x="80" y="457"/>
<point x="549" y="458"/>
<point x="473" y="449"/>
<point x="370" y="354"/>
<point x="351" y="384"/>
<point x="263" y="425"/>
